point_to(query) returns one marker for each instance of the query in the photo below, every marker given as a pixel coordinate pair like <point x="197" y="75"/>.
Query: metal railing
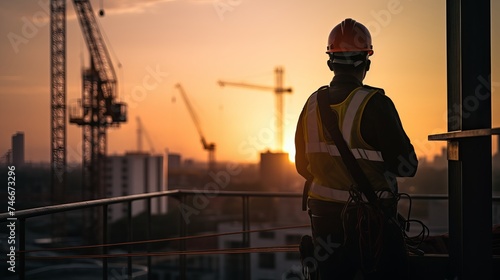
<point x="22" y="217"/>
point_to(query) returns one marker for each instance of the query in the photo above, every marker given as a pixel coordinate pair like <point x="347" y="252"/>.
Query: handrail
<point x="45" y="210"/>
<point x="181" y="195"/>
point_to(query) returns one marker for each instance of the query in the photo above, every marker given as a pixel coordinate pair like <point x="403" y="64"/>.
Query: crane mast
<point x="58" y="98"/>
<point x="57" y="110"/>
<point x="278" y="90"/>
<point x="210" y="147"/>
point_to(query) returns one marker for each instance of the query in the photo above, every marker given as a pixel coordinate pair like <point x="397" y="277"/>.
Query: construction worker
<point x="369" y="121"/>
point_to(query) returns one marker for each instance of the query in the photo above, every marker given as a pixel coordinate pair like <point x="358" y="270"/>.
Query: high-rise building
<point x="278" y="174"/>
<point x="135" y="173"/>
<point x="275" y="171"/>
<point x="18" y="149"/>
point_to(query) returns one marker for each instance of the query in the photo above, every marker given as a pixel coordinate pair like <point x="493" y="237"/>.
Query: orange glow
<point x="289" y="147"/>
<point x="161" y="43"/>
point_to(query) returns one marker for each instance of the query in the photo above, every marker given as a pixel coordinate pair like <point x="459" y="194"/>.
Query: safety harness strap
<point x="315" y="145"/>
<point x="330" y="122"/>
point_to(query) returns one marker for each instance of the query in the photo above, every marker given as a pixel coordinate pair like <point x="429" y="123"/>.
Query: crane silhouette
<point x="278" y="90"/>
<point x="210" y="147"/>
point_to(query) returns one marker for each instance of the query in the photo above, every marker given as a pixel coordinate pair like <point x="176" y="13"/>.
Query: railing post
<point x="246" y="237"/>
<point x="22" y="248"/>
<point x="105" y="241"/>
<point x="182" y="244"/>
<point x="148" y="237"/>
<point x="129" y="239"/>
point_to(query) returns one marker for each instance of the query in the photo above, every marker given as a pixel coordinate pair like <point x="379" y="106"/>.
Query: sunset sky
<point x="159" y="43"/>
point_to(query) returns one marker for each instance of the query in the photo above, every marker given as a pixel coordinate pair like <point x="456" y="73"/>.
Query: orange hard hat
<point x="349" y="36"/>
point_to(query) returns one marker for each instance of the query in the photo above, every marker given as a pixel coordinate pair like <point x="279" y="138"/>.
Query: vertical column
<point x="454" y="123"/>
<point x="469" y="108"/>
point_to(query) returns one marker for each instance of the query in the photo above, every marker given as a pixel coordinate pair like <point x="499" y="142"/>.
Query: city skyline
<point x="156" y="44"/>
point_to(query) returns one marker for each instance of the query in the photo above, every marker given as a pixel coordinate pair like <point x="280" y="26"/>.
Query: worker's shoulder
<point x="320" y="89"/>
<point x="377" y="89"/>
<point x="325" y="87"/>
<point x="379" y="99"/>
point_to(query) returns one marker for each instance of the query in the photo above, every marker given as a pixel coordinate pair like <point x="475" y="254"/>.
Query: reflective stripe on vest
<point x="322" y="147"/>
<point x="314" y="145"/>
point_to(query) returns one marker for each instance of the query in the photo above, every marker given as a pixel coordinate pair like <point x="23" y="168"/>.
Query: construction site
<point x="177" y="176"/>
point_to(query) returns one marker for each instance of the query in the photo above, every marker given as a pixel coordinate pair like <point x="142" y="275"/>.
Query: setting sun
<point x="289" y="147"/>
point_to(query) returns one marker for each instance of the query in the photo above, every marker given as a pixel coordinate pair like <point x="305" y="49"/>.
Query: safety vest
<point x="332" y="180"/>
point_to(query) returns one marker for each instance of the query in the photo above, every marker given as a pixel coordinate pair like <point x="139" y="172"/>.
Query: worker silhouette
<point x="350" y="241"/>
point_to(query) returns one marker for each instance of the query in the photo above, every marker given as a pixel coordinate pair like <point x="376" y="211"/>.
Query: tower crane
<point x="210" y="147"/>
<point x="141" y="131"/>
<point x="98" y="109"/>
<point x="278" y="91"/>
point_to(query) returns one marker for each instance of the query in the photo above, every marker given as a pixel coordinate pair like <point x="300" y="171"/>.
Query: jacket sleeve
<point x="382" y="128"/>
<point x="301" y="161"/>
